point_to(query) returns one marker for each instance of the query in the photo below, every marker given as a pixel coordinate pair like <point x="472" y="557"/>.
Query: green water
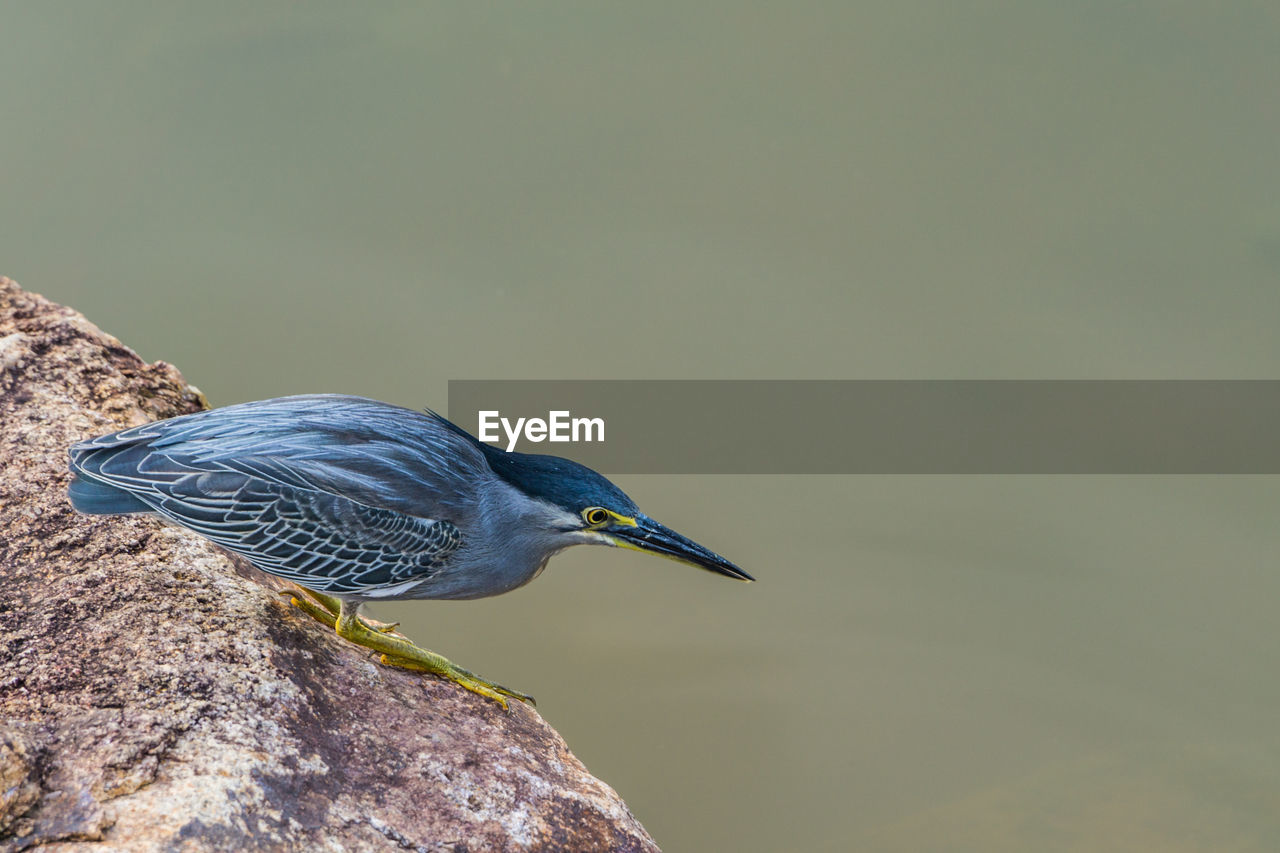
<point x="282" y="198"/>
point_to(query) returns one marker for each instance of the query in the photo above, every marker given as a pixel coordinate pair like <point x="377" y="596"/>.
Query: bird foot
<point x="325" y="609"/>
<point x="309" y="607"/>
<point x="460" y="676"/>
<point x="395" y="649"/>
<point x="398" y="651"/>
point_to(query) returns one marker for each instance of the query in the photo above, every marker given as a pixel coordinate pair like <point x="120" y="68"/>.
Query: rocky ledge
<point x="156" y="694"/>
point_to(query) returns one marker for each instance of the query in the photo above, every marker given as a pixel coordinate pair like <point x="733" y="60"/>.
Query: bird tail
<point x="94" y="498"/>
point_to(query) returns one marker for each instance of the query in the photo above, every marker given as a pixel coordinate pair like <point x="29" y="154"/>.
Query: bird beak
<point x="653" y="538"/>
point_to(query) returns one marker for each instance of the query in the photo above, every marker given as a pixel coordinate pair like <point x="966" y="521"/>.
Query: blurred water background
<point x="373" y="199"/>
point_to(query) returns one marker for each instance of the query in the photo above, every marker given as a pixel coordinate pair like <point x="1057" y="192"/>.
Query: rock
<point x="156" y="694"/>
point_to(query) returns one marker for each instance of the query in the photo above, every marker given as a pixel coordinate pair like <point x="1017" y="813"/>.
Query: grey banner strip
<point x="892" y="426"/>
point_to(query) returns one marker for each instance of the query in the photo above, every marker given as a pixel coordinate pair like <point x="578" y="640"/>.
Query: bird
<point x="354" y="500"/>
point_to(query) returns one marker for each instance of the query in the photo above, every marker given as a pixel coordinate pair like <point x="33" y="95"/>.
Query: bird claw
<point x="464" y="678"/>
<point x="396" y="649"/>
<point x="381" y="627"/>
<point x="329" y="619"/>
<point x="315" y="611"/>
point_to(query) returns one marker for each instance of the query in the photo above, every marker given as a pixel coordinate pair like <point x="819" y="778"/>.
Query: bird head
<point x="592" y="510"/>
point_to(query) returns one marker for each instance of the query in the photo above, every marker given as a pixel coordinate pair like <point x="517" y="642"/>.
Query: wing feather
<point x="327" y="491"/>
<point x="323" y="541"/>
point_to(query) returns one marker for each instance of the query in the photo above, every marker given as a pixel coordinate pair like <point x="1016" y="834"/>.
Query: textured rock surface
<point x="157" y="695"/>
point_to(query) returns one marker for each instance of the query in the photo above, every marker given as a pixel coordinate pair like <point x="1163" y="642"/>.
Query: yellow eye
<point x="595" y="516"/>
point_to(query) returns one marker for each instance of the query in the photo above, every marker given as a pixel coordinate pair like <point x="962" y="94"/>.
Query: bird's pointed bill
<point x="653" y="538"/>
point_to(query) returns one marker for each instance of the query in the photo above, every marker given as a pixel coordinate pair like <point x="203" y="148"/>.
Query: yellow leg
<point x="326" y="613"/>
<point x="315" y="611"/>
<point x="402" y="653"/>
<point x="396" y="650"/>
<point x="328" y="602"/>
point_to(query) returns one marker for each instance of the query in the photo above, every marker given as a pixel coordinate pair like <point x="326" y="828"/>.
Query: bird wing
<point x="330" y="499"/>
<point x="321" y="540"/>
<point x="374" y="453"/>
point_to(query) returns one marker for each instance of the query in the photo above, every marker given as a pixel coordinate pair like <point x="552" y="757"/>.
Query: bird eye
<point x="595" y="515"/>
